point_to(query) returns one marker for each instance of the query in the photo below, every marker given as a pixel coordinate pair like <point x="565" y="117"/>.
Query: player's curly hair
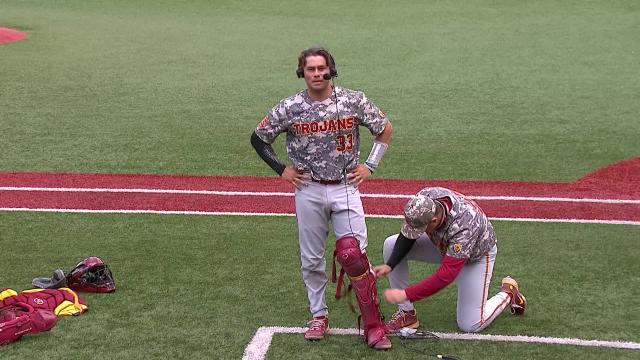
<point x="316" y="51"/>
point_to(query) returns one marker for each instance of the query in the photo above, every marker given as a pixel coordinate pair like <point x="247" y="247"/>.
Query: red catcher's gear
<point x="61" y="302"/>
<point x="20" y="319"/>
<point x="356" y="264"/>
<point x="91" y="275"/>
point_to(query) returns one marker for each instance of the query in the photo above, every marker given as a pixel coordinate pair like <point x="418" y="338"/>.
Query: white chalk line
<point x="261" y="341"/>
<point x="236" y="213"/>
<point x="258" y="193"/>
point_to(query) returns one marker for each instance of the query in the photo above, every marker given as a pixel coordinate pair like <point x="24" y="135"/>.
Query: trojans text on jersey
<point x="329" y="125"/>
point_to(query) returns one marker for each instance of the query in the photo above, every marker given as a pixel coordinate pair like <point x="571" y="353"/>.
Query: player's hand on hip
<point x="381" y="270"/>
<point x="395" y="296"/>
<point x="358" y="175"/>
<point x="295" y="177"/>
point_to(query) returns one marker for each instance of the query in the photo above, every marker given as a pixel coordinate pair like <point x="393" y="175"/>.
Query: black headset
<point x="319" y="51"/>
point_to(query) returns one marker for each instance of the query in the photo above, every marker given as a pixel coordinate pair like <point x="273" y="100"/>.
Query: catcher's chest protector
<point x="61" y="302"/>
<point x="20" y="319"/>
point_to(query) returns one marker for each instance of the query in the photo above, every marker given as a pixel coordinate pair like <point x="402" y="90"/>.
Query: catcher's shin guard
<point x="20" y="319"/>
<point x="356" y="264"/>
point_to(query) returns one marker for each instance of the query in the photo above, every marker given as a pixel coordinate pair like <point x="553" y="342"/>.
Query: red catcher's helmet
<point x="91" y="275"/>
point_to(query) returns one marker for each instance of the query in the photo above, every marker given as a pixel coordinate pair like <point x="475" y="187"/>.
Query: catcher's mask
<point x="91" y="275"/>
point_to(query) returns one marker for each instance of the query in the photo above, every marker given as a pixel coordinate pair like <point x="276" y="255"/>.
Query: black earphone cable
<point x="407" y="335"/>
<point x="344" y="160"/>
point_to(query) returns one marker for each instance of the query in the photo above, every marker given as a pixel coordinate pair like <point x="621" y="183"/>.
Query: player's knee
<point x="387" y="248"/>
<point x="469" y="326"/>
<point x="313" y="264"/>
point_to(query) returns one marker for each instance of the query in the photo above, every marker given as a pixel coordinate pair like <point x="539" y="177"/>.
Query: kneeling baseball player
<point x="444" y="227"/>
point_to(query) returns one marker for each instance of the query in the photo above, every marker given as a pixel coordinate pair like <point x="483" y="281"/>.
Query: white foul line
<point x="237" y="213"/>
<point x="259" y="345"/>
<point x="259" y="193"/>
<point x="141" y="211"/>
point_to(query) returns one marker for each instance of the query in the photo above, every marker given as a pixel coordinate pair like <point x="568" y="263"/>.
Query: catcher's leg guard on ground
<point x="20" y="319"/>
<point x="356" y="264"/>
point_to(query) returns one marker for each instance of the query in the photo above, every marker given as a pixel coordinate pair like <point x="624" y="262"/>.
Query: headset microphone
<point x="327" y="76"/>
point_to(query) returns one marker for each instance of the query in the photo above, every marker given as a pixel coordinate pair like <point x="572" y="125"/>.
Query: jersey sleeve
<point x="446" y="273"/>
<point x="274" y="123"/>
<point x="372" y="117"/>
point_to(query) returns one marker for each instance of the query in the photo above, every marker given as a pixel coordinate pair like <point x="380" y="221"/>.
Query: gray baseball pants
<point x="317" y="205"/>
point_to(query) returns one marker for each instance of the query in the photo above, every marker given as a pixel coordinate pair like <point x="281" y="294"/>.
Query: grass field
<point x="544" y="91"/>
<point x="199" y="287"/>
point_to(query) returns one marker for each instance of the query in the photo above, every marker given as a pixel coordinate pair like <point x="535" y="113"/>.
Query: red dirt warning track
<point x="609" y="194"/>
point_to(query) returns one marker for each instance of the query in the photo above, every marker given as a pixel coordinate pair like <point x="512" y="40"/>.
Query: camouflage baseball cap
<point x="418" y="212"/>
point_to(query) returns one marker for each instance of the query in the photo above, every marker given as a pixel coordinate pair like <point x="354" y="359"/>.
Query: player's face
<point x="433" y="224"/>
<point x="314" y="70"/>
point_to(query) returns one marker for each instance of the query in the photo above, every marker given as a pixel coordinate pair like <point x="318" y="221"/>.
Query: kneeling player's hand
<point x="381" y="270"/>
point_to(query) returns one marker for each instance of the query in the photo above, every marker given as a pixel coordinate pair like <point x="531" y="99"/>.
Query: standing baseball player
<point x="322" y="127"/>
<point x="444" y="227"/>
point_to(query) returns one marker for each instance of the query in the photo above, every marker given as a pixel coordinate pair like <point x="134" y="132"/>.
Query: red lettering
<point x="344" y="142"/>
<point x="340" y="143"/>
<point x="349" y="123"/>
<point x="329" y="125"/>
<point x="263" y="122"/>
<point x="349" y="142"/>
<point x="332" y="125"/>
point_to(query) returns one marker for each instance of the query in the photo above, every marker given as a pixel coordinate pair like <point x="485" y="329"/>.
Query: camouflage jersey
<point x="318" y="141"/>
<point x="466" y="232"/>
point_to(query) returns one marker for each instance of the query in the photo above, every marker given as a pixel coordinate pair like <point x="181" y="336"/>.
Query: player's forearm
<point x="449" y="269"/>
<point x="267" y="153"/>
<point x="380" y="145"/>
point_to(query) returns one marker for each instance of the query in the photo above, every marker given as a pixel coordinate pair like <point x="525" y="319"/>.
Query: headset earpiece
<point x="332" y="66"/>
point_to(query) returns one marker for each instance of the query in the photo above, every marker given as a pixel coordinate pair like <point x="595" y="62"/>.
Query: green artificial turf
<point x="199" y="287"/>
<point x="475" y="89"/>
<point x="496" y="90"/>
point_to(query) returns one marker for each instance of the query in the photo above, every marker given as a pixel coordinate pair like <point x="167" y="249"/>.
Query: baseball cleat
<point x="518" y="301"/>
<point x="401" y="319"/>
<point x="318" y="326"/>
